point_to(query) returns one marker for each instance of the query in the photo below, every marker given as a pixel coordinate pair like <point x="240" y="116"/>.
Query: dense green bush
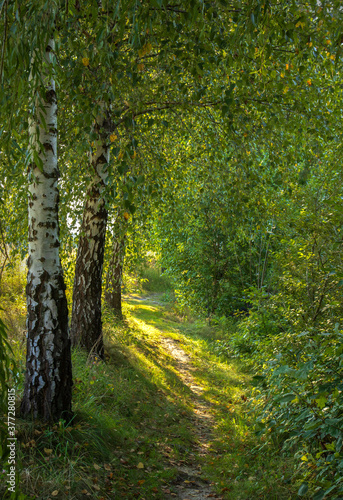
<point x="298" y="390"/>
<point x="302" y="404"/>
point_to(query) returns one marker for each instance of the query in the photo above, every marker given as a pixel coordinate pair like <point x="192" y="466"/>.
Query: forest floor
<point x="163" y="418"/>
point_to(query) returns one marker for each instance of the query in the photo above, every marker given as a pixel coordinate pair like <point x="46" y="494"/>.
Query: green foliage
<point x="13" y="300"/>
<point x="302" y="404"/>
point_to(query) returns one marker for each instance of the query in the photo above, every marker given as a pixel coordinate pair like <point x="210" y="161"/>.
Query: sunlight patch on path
<point x="195" y="488"/>
<point x="189" y="483"/>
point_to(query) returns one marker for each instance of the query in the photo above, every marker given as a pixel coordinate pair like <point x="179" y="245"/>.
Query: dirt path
<point x="189" y="482"/>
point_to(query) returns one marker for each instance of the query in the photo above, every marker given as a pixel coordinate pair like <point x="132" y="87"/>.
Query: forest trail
<point x="190" y="482"/>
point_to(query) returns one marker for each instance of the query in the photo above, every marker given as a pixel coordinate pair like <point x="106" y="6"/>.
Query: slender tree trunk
<point x="48" y="380"/>
<point x="114" y="278"/>
<point x="86" y="324"/>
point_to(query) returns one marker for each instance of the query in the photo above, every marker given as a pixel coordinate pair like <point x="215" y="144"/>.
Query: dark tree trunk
<point x="86" y="323"/>
<point x="114" y="278"/>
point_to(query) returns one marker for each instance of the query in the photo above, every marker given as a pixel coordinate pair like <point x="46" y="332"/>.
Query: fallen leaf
<point x="55" y="493"/>
<point x="48" y="451"/>
<point x="96" y="487"/>
<point x="96" y="467"/>
<point x="140" y="465"/>
<point x="107" y="467"/>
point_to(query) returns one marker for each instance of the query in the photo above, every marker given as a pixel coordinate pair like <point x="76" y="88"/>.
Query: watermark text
<point x="11" y="440"/>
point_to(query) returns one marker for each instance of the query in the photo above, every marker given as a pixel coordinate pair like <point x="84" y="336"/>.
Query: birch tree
<point x="48" y="379"/>
<point x="86" y="324"/>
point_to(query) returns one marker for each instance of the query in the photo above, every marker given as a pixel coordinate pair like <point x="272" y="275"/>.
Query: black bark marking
<point x="101" y="160"/>
<point x="50" y="96"/>
<point x="52" y="175"/>
<point x="48" y="147"/>
<point x="47" y="224"/>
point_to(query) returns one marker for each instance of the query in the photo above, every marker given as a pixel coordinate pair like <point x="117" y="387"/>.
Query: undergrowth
<point x="134" y="419"/>
<point x="298" y="393"/>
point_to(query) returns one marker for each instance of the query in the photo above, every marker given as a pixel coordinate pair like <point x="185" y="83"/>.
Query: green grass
<point x="153" y="281"/>
<point x="135" y="420"/>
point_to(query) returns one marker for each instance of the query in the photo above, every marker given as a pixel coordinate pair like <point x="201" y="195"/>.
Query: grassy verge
<point x="134" y="421"/>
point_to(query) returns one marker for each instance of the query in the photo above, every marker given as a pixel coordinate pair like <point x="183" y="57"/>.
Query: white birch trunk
<point x="48" y="381"/>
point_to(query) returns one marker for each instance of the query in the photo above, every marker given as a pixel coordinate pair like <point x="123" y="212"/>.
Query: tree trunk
<point x="114" y="278"/>
<point x="86" y="324"/>
<point x="48" y="380"/>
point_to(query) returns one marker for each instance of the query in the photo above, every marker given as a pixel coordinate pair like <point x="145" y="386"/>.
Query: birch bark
<point x="48" y="380"/>
<point x="86" y="323"/>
